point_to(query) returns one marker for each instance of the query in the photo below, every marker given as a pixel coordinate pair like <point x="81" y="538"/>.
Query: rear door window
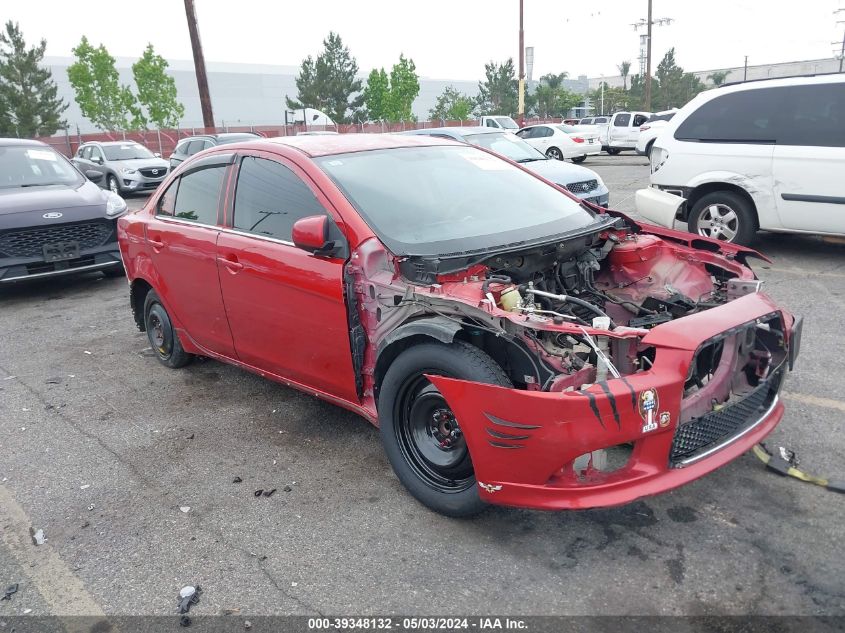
<point x="622" y="120"/>
<point x="195" y="146"/>
<point x="748" y="116"/>
<point x="814" y="115"/>
<point x="639" y="120"/>
<point x="270" y="197"/>
<point x="197" y="196"/>
<point x="599" y="120"/>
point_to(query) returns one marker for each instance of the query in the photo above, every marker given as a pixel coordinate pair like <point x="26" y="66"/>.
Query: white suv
<point x="764" y="155"/>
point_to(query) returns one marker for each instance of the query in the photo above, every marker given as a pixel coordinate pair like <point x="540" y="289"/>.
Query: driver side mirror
<point x="93" y="176"/>
<point x="157" y="155"/>
<point x="97" y="159"/>
<point x="311" y="234"/>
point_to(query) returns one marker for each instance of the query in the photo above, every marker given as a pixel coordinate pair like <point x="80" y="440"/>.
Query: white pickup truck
<point x="623" y="131"/>
<point x="504" y="123"/>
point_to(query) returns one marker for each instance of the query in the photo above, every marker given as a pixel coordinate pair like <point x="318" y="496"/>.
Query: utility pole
<point x="648" y="23"/>
<point x="842" y="47"/>
<point x="521" y="107"/>
<point x="199" y="65"/>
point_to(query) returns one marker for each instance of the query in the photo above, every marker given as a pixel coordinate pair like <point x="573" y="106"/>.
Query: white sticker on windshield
<point x="40" y="154"/>
<point x="485" y="161"/>
<point x="335" y="163"/>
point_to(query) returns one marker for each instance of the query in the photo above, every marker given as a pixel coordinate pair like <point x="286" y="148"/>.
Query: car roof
<point x="348" y="143"/>
<point x="459" y="132"/>
<point x="11" y="142"/>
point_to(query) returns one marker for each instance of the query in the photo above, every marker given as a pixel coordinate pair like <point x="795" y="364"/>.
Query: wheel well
<point x="712" y="187"/>
<point x="138" y="291"/>
<point x="391" y="353"/>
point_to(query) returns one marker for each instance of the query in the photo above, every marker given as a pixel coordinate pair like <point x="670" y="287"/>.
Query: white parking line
<point x="827" y="403"/>
<point x="62" y="590"/>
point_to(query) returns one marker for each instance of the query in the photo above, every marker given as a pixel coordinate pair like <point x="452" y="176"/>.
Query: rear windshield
<point x="22" y="166"/>
<point x="130" y="151"/>
<point x="447" y="200"/>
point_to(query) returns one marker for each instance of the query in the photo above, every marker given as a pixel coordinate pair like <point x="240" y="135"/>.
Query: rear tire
<point x="419" y="432"/>
<point x="161" y="334"/>
<point x="724" y="215"/>
<point x="579" y="159"/>
<point x="614" y="151"/>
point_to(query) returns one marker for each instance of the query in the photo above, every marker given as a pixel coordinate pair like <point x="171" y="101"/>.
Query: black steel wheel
<point x="420" y="432"/>
<point x="161" y="334"/>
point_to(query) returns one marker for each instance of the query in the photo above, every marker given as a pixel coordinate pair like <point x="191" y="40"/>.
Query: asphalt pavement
<point x="129" y="469"/>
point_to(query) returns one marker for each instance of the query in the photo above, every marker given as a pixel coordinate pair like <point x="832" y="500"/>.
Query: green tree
<point x="676" y="86"/>
<point x="157" y="90"/>
<point x="452" y="105"/>
<point x="28" y="102"/>
<point x="330" y="83"/>
<point x="404" y="88"/>
<point x="613" y="99"/>
<point x="718" y="77"/>
<point x="498" y="93"/>
<point x="551" y="98"/>
<point x="377" y="95"/>
<point x="624" y="70"/>
<point x="101" y="98"/>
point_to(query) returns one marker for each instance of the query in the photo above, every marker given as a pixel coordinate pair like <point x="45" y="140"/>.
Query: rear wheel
<point x="419" y="431"/>
<point x="161" y="334"/>
<point x="579" y="159"/>
<point x="555" y="153"/>
<point x="613" y="151"/>
<point x="724" y="215"/>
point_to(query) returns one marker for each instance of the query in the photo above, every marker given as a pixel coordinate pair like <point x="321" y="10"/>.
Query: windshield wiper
<point x="530" y="160"/>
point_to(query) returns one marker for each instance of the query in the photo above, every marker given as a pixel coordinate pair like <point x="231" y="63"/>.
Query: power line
<point x="648" y="23"/>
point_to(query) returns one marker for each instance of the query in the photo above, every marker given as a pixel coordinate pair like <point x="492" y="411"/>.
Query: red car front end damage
<point x="683" y="391"/>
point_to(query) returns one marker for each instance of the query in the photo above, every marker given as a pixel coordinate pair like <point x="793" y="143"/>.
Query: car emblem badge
<point x="155" y="172"/>
<point x="648" y="403"/>
<point x="53" y="215"/>
<point x="489" y="487"/>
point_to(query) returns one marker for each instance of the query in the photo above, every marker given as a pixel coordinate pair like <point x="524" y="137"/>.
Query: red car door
<point x="182" y="238"/>
<point x="285" y="306"/>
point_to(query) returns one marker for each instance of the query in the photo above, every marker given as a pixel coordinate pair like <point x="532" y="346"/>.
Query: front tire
<point x="724" y="215"/>
<point x="161" y="334"/>
<point x="420" y="434"/>
<point x="579" y="159"/>
<point x="554" y="153"/>
<point x="112" y="184"/>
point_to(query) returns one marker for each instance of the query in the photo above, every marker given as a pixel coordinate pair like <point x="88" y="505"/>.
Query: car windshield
<point x="507" y="122"/>
<point x="508" y="145"/>
<point x="33" y="166"/>
<point x="130" y="151"/>
<point x="446" y="200"/>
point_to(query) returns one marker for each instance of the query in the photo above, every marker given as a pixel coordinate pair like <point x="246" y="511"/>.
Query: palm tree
<point x="554" y="81"/>
<point x="624" y="70"/>
<point x="718" y="77"/>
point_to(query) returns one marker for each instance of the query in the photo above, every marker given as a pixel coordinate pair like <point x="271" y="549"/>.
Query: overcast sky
<point x="449" y="39"/>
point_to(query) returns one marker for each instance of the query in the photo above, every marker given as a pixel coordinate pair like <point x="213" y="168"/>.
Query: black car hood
<point x="52" y="198"/>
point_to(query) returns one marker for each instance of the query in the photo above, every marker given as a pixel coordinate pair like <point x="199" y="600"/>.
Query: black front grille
<point x="154" y="172"/>
<point x="30" y="242"/>
<point x="709" y="430"/>
<point x="582" y="187"/>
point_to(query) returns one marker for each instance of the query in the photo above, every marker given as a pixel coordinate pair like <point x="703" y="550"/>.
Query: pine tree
<point x="28" y="102"/>
<point x="330" y="83"/>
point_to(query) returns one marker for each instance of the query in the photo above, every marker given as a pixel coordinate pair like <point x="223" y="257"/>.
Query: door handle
<point x="232" y="264"/>
<point x="155" y="243"/>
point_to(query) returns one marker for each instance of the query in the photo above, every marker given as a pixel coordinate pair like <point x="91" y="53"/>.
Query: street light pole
<point x="199" y="65"/>
<point x="521" y="106"/>
<point x="647" y="97"/>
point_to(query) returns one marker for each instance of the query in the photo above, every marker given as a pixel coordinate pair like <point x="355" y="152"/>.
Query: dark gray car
<point x="126" y="166"/>
<point x="187" y="147"/>
<point x="53" y="219"/>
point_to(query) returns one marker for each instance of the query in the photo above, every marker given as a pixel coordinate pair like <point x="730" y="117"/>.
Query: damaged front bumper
<point x="541" y="449"/>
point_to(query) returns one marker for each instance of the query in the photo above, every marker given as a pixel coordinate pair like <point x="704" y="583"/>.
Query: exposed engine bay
<point x="557" y="316"/>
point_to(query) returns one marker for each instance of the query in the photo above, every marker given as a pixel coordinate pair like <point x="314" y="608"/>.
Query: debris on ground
<point x="185" y="621"/>
<point x="237" y="480"/>
<point x="190" y="437"/>
<point x="188" y="595"/>
<point x="38" y="537"/>
<point x="259" y="492"/>
<point x="53" y="381"/>
<point x="90" y="507"/>
<point x="785" y="462"/>
<point x="27" y="611"/>
<point x="269" y="493"/>
<point x="287" y="488"/>
<point x="84" y="486"/>
<point x="11" y="589"/>
<point x="247" y="625"/>
<point x="185" y="509"/>
<point x="231" y="611"/>
<point x="85" y="525"/>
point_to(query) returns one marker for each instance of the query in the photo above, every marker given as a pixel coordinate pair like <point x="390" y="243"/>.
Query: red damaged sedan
<point x="515" y="345"/>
